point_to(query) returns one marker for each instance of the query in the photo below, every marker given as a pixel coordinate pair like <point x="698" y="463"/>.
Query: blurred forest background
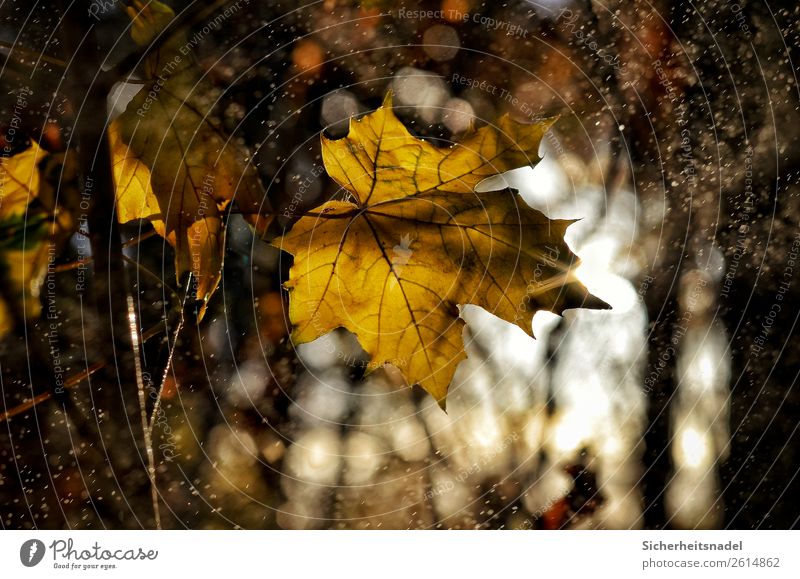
<point x="677" y="147"/>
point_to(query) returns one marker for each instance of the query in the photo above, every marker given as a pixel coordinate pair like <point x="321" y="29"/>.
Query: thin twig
<point x="148" y="441"/>
<point x="71" y="381"/>
<point x="86" y="261"/>
<point x="22" y="51"/>
<point x="168" y="365"/>
<point x="72" y="265"/>
<point x="150" y="274"/>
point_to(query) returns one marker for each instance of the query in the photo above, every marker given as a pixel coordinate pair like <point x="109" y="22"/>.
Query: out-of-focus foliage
<point x="173" y="165"/>
<point x="23" y="251"/>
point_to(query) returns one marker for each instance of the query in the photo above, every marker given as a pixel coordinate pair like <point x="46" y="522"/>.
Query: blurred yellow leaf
<point x="173" y="165"/>
<point x="24" y="269"/>
<point x="415" y="242"/>
<point x="19" y="181"/>
<point x="23" y="251"/>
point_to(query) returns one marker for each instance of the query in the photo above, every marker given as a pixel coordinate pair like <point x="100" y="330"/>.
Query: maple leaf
<point x="19" y="181"/>
<point x="23" y="232"/>
<point x="488" y="249"/>
<point x="173" y="165"/>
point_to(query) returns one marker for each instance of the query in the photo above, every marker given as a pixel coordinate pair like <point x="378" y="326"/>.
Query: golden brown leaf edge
<point x="414" y="242"/>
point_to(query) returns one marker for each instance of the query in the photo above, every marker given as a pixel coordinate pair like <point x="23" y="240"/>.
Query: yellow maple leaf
<point x="173" y="165"/>
<point x="395" y="263"/>
<point x="19" y="181"/>
<point x="23" y="248"/>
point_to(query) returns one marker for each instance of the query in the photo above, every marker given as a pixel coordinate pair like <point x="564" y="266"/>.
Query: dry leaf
<point x="173" y="165"/>
<point x="414" y="243"/>
<point x="23" y="251"/>
<point x="19" y="181"/>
